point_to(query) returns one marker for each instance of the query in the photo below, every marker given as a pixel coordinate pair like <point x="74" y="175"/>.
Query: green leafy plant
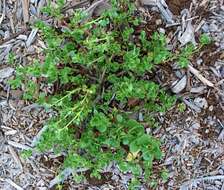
<point x="26" y="153"/>
<point x="189" y="50"/>
<point x="97" y="68"/>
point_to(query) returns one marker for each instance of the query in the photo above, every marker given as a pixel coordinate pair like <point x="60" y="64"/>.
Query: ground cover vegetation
<point x="98" y="68"/>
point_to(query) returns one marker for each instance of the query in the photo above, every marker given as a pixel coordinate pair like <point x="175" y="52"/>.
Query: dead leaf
<point x="132" y="156"/>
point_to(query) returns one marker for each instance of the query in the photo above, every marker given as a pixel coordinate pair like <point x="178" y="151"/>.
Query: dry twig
<point x="200" y="77"/>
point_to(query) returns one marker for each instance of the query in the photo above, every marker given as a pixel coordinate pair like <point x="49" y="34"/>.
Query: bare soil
<point x="177" y="5"/>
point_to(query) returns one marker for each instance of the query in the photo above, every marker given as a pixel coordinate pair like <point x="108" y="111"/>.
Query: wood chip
<point x="15" y="157"/>
<point x="25" y="6"/>
<point x="178" y="86"/>
<point x="6" y="72"/>
<point x="18" y="145"/>
<point x="31" y="37"/>
<point x="9" y="181"/>
<point x="2" y="140"/>
<point x="3" y="13"/>
<point x="164" y="9"/>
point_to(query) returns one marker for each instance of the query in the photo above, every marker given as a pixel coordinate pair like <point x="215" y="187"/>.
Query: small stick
<point x="200" y="77"/>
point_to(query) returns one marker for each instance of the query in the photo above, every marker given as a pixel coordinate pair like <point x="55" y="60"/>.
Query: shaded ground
<point x="176" y="6"/>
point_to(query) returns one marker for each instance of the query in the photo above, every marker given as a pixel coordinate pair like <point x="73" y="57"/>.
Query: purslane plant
<point x="97" y="70"/>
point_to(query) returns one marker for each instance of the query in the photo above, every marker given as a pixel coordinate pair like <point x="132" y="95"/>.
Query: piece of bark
<point x="25" y="6"/>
